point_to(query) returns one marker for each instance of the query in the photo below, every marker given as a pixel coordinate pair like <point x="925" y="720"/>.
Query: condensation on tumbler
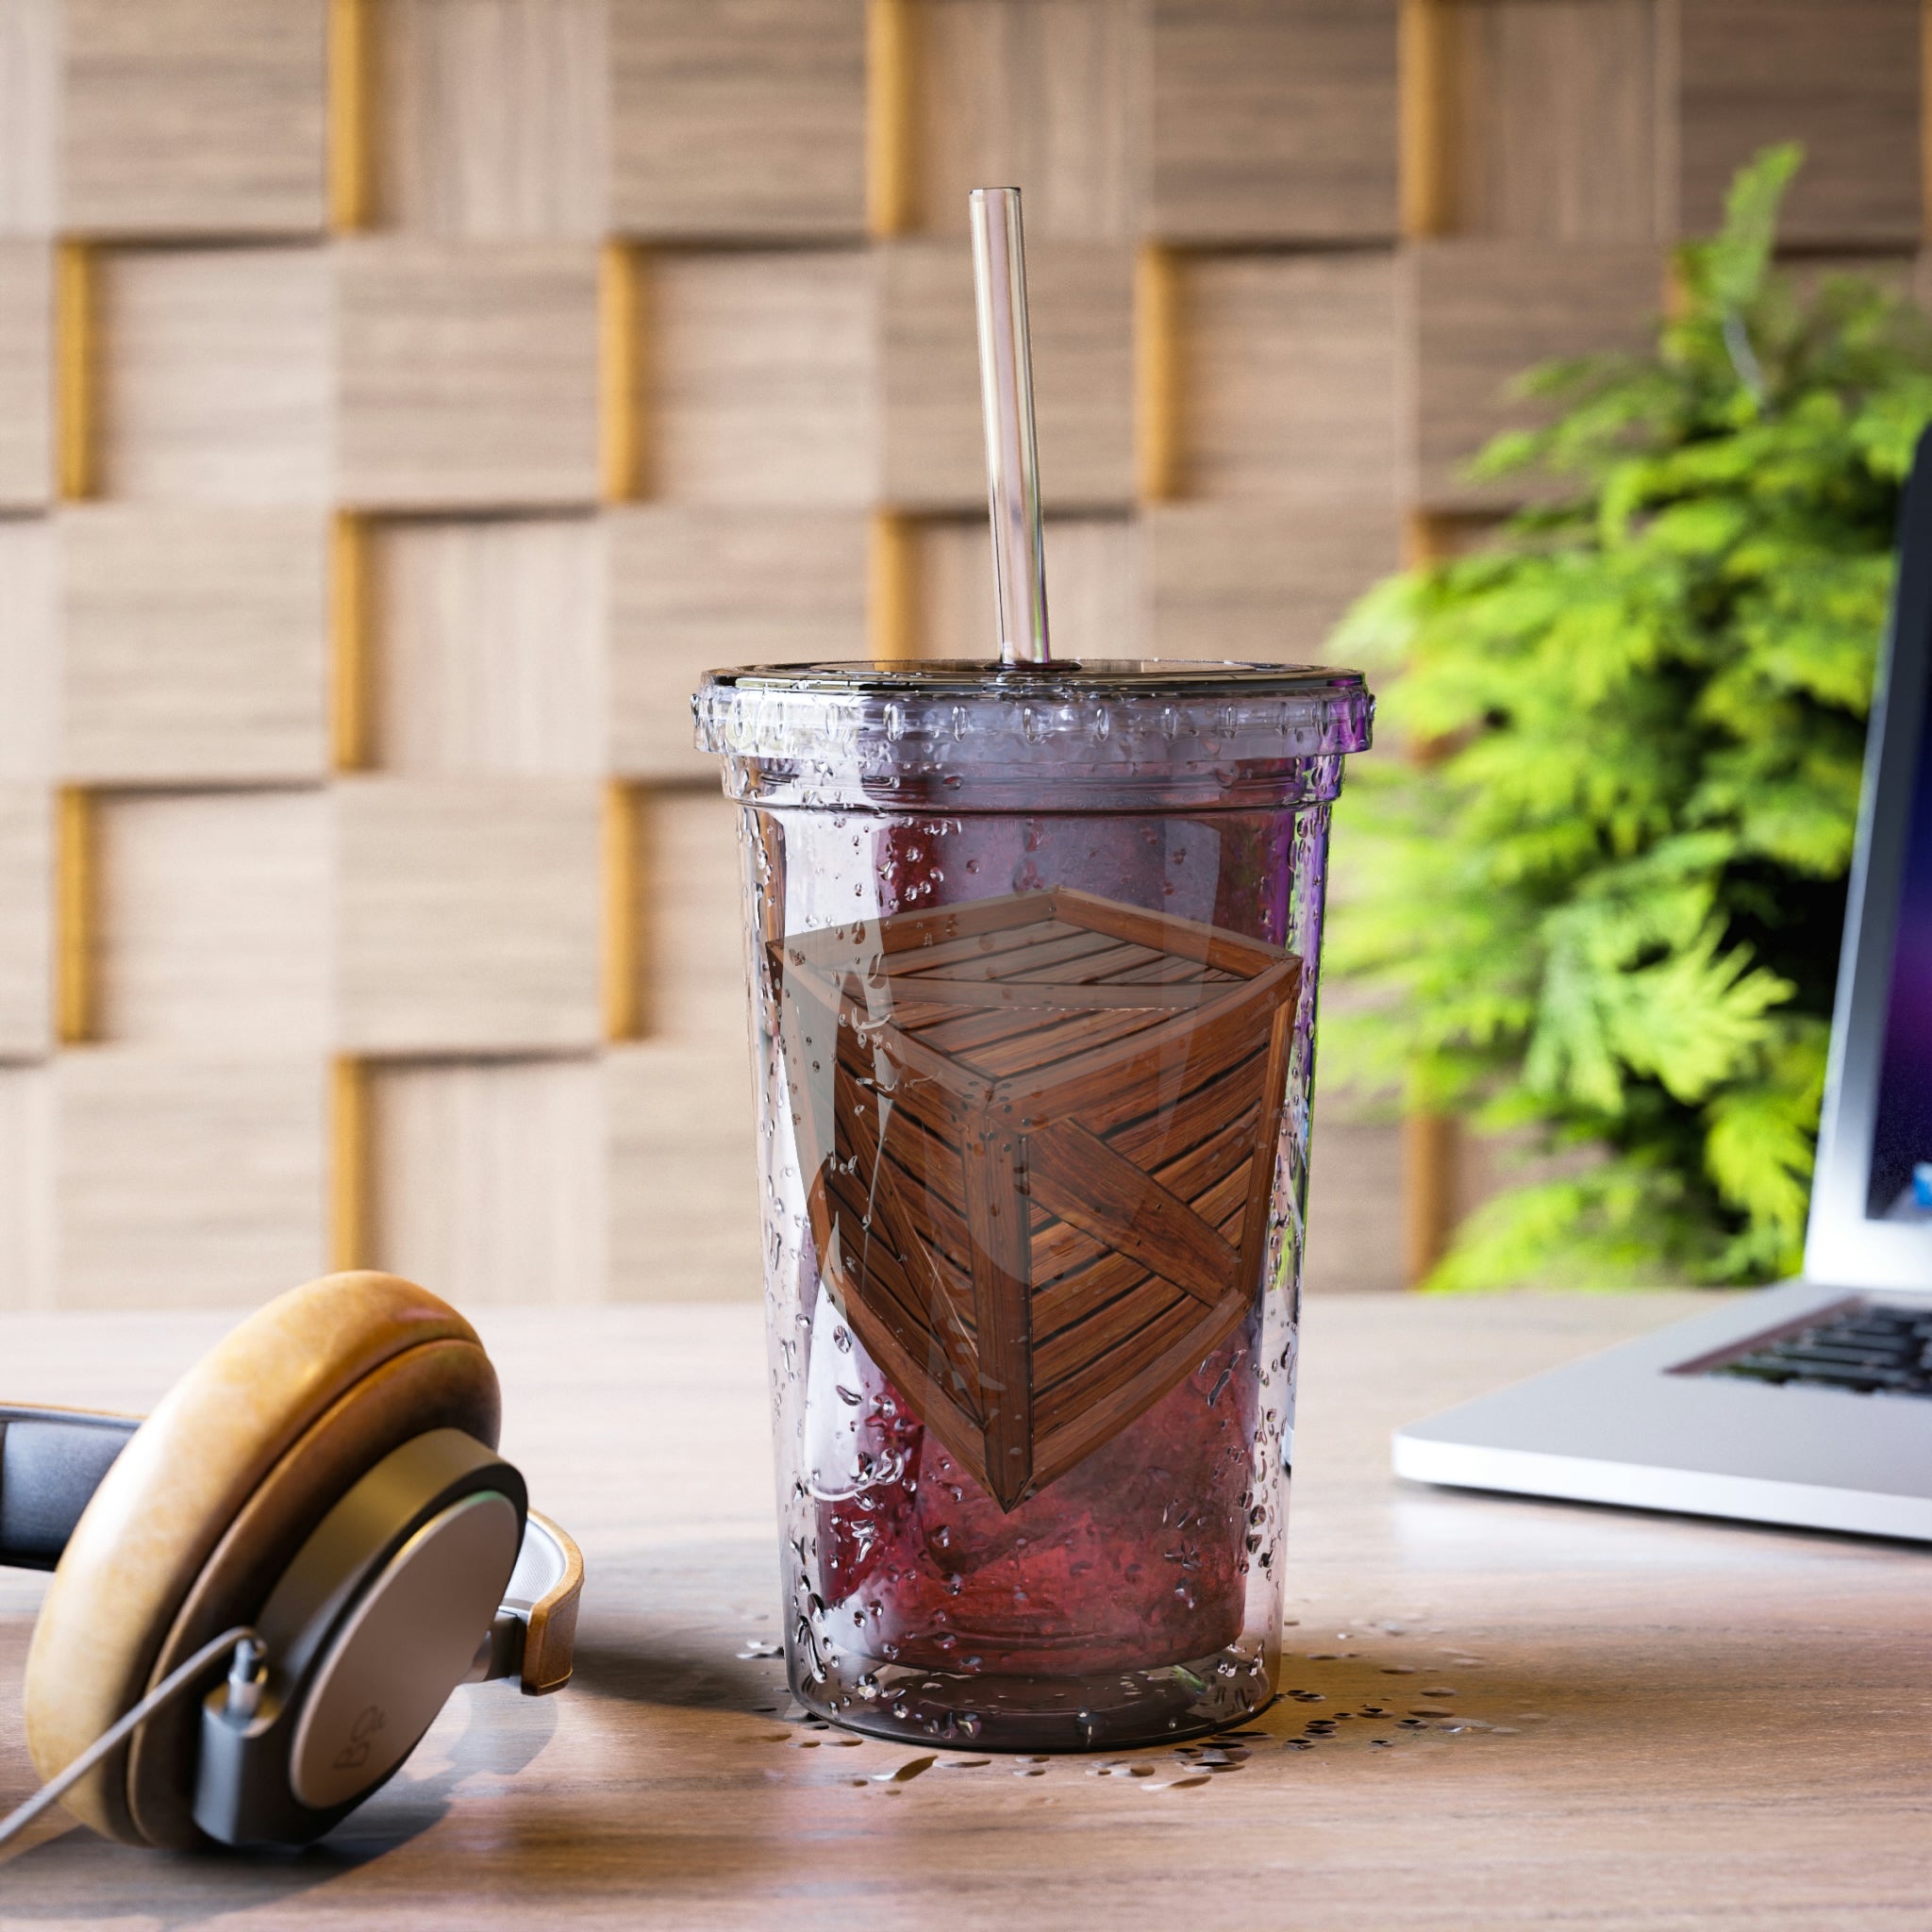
<point x="1033" y="1128"/>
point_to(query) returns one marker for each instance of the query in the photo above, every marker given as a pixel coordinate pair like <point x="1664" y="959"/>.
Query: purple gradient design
<point x="1902" y="1135"/>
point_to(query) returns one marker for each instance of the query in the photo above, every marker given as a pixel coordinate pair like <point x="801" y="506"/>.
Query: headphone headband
<point x="51" y="1462"/>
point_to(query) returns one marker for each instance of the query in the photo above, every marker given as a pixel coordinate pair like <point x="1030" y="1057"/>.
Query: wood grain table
<point x="1653" y="1722"/>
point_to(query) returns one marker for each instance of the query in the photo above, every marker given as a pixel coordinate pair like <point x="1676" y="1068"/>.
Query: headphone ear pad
<point x="207" y="1504"/>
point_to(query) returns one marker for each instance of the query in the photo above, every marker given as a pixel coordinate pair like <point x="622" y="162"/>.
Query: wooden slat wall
<point x="401" y="401"/>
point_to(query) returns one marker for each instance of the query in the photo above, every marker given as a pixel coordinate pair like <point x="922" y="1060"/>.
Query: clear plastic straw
<point x="1006" y="389"/>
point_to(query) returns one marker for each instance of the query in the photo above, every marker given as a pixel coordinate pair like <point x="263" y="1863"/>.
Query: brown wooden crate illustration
<point x="1038" y="1139"/>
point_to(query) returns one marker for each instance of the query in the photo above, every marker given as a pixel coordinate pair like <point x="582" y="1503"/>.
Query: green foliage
<point x="1609" y="911"/>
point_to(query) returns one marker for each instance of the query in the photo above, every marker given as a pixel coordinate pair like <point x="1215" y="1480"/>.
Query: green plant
<point x="1607" y="911"/>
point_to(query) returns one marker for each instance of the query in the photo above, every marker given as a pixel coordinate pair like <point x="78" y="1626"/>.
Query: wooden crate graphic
<point x="1038" y="1139"/>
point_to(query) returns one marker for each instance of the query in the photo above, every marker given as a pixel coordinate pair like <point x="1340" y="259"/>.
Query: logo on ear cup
<point x="354" y="1753"/>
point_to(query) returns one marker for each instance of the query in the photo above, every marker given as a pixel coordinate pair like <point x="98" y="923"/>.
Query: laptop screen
<point x="1901" y="1179"/>
<point x="1872" y="1195"/>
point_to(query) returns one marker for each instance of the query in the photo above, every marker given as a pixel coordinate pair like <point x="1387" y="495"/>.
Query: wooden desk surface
<point x="1694" y="1724"/>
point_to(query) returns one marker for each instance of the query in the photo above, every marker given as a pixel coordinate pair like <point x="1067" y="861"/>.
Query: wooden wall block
<point x="1094" y="605"/>
<point x="29" y="656"/>
<point x="761" y="375"/>
<point x="1553" y="121"/>
<point x="187" y="1179"/>
<point x="211" y="920"/>
<point x="469" y="374"/>
<point x="693" y="950"/>
<point x="27" y="1276"/>
<point x="693" y="589"/>
<point x="193" y="117"/>
<point x="683" y="1174"/>
<point x="1842" y="77"/>
<point x="1480" y="314"/>
<point x="26" y="920"/>
<point x="1287" y="371"/>
<point x="29" y="114"/>
<point x="1045" y="95"/>
<point x="491" y="1179"/>
<point x="1354" y="1205"/>
<point x="468" y="915"/>
<point x="1244" y="580"/>
<point x="1080" y="299"/>
<point x="490" y="117"/>
<point x="192" y="644"/>
<point x="489" y="648"/>
<point x="1273" y="120"/>
<point x="27" y="374"/>
<point x="214" y="375"/>
<point x="738" y="117"/>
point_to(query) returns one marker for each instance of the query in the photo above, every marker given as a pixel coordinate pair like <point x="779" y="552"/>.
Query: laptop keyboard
<point x="1869" y="1349"/>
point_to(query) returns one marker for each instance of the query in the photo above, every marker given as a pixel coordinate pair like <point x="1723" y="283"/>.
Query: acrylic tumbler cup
<point x="1033" y="962"/>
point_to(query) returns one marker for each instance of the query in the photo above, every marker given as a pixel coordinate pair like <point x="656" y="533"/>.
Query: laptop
<point x="1810" y="1403"/>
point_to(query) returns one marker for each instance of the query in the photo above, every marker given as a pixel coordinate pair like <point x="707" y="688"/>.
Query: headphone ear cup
<point x="209" y="1503"/>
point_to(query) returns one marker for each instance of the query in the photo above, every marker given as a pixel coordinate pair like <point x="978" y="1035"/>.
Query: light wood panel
<point x="1251" y="580"/>
<point x="1355" y="1193"/>
<point x="1288" y="379"/>
<point x="1845" y="78"/>
<point x="683" y="1185"/>
<point x="212" y="922"/>
<point x="26" y="915"/>
<point x="27" y="374"/>
<point x="29" y="114"/>
<point x="184" y="1180"/>
<point x="1273" y="120"/>
<point x="1093" y="578"/>
<point x="1554" y="120"/>
<point x="492" y="1178"/>
<point x="489" y="118"/>
<point x="468" y="374"/>
<point x="193" y="117"/>
<point x="682" y="1190"/>
<point x="1081" y="304"/>
<point x="467" y="915"/>
<point x="692" y="943"/>
<point x="28" y="1276"/>
<point x="696" y="588"/>
<point x="738" y="118"/>
<point x="215" y="374"/>
<point x="1479" y="314"/>
<point x="761" y="374"/>
<point x="1044" y="94"/>
<point x="192" y="643"/>
<point x="487" y="645"/>
<point x="30" y="662"/>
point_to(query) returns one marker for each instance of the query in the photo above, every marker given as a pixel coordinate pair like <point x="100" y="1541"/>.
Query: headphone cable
<point x="246" y="1644"/>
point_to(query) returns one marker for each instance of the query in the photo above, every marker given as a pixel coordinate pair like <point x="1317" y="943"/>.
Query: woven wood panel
<point x="389" y="439"/>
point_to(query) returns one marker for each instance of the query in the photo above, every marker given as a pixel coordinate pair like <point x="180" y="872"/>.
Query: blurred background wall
<point x="402" y="400"/>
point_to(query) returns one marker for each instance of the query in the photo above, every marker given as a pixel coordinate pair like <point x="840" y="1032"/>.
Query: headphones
<point x="318" y="1504"/>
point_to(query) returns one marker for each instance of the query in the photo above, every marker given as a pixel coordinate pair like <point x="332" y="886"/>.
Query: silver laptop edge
<point x="1644" y="1426"/>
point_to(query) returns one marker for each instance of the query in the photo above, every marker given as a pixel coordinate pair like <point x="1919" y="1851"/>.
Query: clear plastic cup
<point x="1033" y="955"/>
